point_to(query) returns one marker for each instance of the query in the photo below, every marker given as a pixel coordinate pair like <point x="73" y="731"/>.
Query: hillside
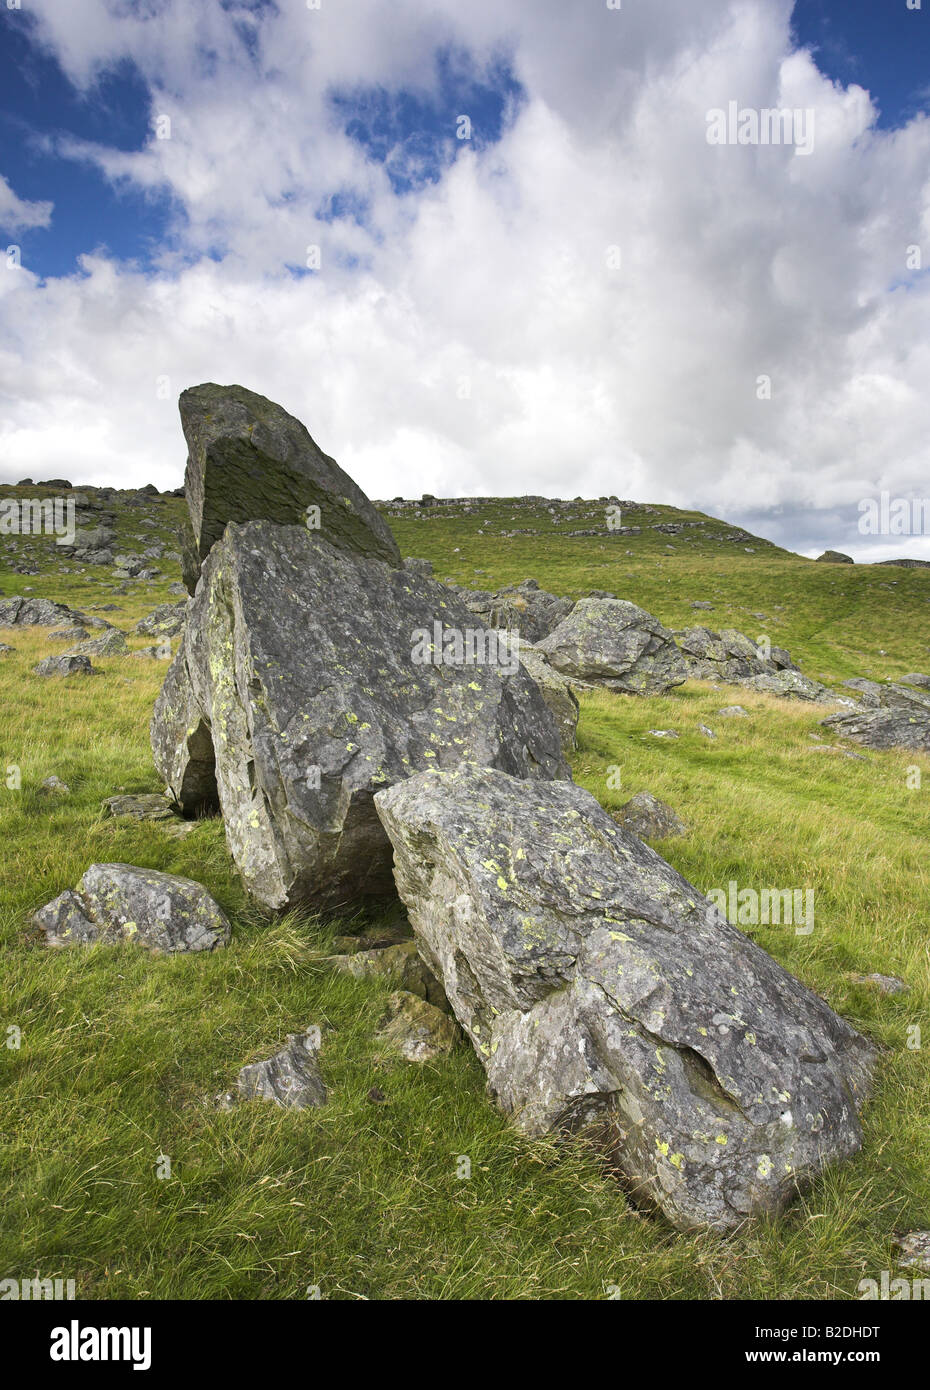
<point x="121" y="1053"/>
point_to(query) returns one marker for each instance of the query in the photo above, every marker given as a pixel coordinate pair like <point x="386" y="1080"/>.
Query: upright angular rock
<point x="249" y="460"/>
<point x="610" y="642"/>
<point x="600" y="989"/>
<point x="318" y="677"/>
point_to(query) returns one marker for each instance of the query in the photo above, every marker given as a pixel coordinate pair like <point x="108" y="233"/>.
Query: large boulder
<point x="602" y="991"/>
<point x="610" y="642"/>
<point x="834" y="557"/>
<point x="119" y="902"/>
<point x="35" y="612"/>
<point x="319" y="677"/>
<point x="249" y="460"/>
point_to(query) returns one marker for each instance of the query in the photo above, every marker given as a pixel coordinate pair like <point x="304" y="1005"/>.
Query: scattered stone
<point x="885" y="984"/>
<point x="119" y="902"/>
<point x="789" y="685"/>
<point x="304" y="732"/>
<point x="834" y="557"/>
<point x="68" y="634"/>
<point x="54" y="786"/>
<point x="613" y="643"/>
<point x="708" y="733"/>
<point x="176" y="589"/>
<point x="665" y="733"/>
<point x="915" y="1250"/>
<point x="700" y="603"/>
<point x="67" y="665"/>
<point x="36" y="612"/>
<point x="112" y="642"/>
<point x="291" y="1078"/>
<point x="917" y="678"/>
<point x="161" y="653"/>
<point x="649" y="818"/>
<point x="417" y="1030"/>
<point x="602" y="991"/>
<point x="5" y="648"/>
<point x="733" y="712"/>
<point x="147" y="806"/>
<point x="249" y="460"/>
<point x="167" y="620"/>
<point x="376" y="1095"/>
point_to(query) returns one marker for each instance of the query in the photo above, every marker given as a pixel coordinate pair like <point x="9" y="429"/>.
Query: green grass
<point x="122" y="1052"/>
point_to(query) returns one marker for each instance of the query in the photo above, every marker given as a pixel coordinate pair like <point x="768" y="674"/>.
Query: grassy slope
<point x="121" y="1051"/>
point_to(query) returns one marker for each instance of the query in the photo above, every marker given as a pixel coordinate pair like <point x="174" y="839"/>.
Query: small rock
<point x="112" y="642"/>
<point x="54" y="786"/>
<point x="885" y="984"/>
<point x="68" y="634"/>
<point x="732" y="712"/>
<point x="119" y="902"/>
<point x="915" y="1250"/>
<point x="708" y="733"/>
<point x="418" y="1030"/>
<point x="291" y="1078"/>
<point x="649" y="818"/>
<point x="916" y="678"/>
<point x="665" y="733"/>
<point x="402" y="961"/>
<point x="68" y="665"/>
<point x="376" y="1095"/>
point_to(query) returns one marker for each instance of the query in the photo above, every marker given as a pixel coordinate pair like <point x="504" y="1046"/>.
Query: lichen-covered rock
<point x="893" y="716"/>
<point x="111" y="642"/>
<point x="417" y="1030"/>
<point x="556" y="691"/>
<point x="790" y="685"/>
<point x="119" y="902"/>
<point x="601" y="990"/>
<point x="649" y="818"/>
<point x="308" y="669"/>
<point x="523" y="608"/>
<point x="66" y="665"/>
<point x="613" y="643"/>
<point x="291" y="1078"/>
<point x="167" y="620"/>
<point x="249" y="460"/>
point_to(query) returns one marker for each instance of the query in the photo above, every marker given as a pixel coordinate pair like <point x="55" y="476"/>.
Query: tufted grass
<point x="121" y="1052"/>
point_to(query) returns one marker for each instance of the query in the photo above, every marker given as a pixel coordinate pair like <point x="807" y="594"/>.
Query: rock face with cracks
<point x="602" y="991"/>
<point x="610" y="642"/>
<point x="249" y="460"/>
<point x="318" y="677"/>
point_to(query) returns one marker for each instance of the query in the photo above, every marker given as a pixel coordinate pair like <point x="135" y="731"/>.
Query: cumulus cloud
<point x="597" y="302"/>
<point x="18" y="214"/>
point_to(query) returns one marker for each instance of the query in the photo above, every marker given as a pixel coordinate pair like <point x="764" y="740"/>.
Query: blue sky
<point x="868" y="42"/>
<point x="583" y="296"/>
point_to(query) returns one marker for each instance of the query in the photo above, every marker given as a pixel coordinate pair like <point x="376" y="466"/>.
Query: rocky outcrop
<point x="249" y="460"/>
<point x="603" y="992"/>
<point x="834" y="557"/>
<point x="36" y="612"/>
<point x="523" y="608"/>
<point x="613" y="643"/>
<point x="318" y="677"/>
<point x="892" y="716"/>
<point x="119" y="902"/>
<point x="728" y="655"/>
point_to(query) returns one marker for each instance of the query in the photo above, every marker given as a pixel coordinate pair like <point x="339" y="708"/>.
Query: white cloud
<point x="18" y="214"/>
<point x="486" y="344"/>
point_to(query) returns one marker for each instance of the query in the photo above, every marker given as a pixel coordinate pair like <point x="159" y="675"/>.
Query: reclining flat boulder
<point x="600" y="989"/>
<point x="302" y="662"/>
<point x="249" y="460"/>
